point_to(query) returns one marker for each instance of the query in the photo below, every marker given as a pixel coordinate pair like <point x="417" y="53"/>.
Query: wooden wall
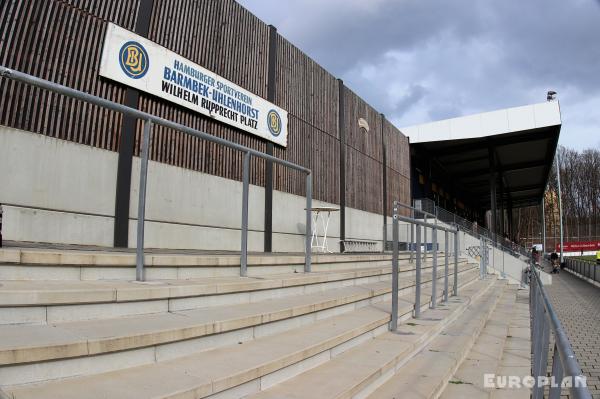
<point x="61" y="40"/>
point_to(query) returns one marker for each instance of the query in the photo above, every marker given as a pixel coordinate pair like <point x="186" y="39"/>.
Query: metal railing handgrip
<point x="425" y="224"/>
<point x="567" y="355"/>
<point x="58" y="88"/>
<point x="149" y="120"/>
<point x="416" y="210"/>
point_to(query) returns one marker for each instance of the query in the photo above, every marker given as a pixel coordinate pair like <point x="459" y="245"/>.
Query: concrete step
<point x="356" y="372"/>
<point x="41" y="302"/>
<point x="502" y="349"/>
<point x="31" y="353"/>
<point x="71" y="265"/>
<point x="426" y="374"/>
<point x="240" y="369"/>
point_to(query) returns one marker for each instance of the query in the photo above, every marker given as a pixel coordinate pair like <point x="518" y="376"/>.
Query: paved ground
<point x="577" y="304"/>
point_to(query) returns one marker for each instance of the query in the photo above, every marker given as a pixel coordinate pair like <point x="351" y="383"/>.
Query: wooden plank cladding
<point x="56" y="41"/>
<point x="368" y="143"/>
<point x="61" y="40"/>
<point x="305" y="89"/>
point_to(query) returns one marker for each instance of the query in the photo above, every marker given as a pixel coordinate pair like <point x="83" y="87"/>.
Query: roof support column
<point x="510" y="219"/>
<point x="502" y="229"/>
<point x="493" y="198"/>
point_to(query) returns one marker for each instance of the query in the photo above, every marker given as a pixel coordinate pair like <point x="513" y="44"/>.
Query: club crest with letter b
<point x="133" y="59"/>
<point x="274" y="122"/>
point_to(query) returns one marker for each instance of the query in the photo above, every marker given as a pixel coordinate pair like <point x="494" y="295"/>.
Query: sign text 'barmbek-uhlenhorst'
<point x="140" y="63"/>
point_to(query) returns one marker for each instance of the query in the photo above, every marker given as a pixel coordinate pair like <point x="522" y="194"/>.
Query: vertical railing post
<point x="308" y="233"/>
<point x="532" y="294"/>
<point x="589" y="270"/>
<point x="245" y="194"/>
<point x="446" y="253"/>
<point x="541" y="358"/>
<point x="418" y="273"/>
<point x="481" y="257"/>
<point x="140" y="274"/>
<point x="425" y="238"/>
<point x="434" y="268"/>
<point x="408" y="225"/>
<point x="456" y="250"/>
<point x="503" y="273"/>
<point x="412" y="239"/>
<point x="557" y="374"/>
<point x="487" y="258"/>
<point x="394" y="321"/>
<point x="535" y="332"/>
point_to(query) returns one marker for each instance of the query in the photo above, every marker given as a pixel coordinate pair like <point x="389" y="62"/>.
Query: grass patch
<point x="459" y="382"/>
<point x="411" y="324"/>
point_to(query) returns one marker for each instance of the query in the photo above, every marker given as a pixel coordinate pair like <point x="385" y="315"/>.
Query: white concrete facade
<point x="62" y="192"/>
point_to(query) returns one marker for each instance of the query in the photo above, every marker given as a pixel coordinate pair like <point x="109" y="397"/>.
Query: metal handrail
<point x="406" y="206"/>
<point x="426" y="224"/>
<point x="395" y="268"/>
<point x="452" y="218"/>
<point x="563" y="360"/>
<point x="149" y="120"/>
<point x="425" y="214"/>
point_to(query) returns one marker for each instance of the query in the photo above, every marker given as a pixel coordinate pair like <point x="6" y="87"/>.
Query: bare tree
<point x="580" y="184"/>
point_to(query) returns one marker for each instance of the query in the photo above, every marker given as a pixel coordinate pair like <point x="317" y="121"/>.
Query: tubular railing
<point x="583" y="267"/>
<point x="484" y="236"/>
<point x="417" y="213"/>
<point x="544" y="319"/>
<point x="418" y="224"/>
<point x="150" y="120"/>
<point x="448" y="217"/>
<point x="564" y="362"/>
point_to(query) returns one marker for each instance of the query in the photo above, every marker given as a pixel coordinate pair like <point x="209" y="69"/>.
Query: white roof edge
<point x="486" y="124"/>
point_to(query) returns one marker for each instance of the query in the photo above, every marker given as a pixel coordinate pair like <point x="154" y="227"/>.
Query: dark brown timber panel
<point x="61" y="40"/>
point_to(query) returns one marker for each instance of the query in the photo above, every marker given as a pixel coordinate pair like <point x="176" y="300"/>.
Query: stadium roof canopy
<point x="513" y="148"/>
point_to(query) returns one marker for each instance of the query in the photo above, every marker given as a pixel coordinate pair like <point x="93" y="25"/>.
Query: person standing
<point x="555" y="263"/>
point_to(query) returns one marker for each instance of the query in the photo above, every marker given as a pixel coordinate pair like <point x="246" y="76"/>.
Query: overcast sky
<point x="418" y="61"/>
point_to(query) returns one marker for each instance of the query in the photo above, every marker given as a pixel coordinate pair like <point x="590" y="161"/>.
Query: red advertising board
<point x="578" y="246"/>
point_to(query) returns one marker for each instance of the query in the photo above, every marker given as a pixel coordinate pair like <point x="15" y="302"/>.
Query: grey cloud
<point x="421" y="60"/>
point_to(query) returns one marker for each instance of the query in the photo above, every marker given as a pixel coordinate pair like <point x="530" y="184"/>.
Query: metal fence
<point x="584" y="268"/>
<point x="150" y="120"/>
<point x="565" y="367"/>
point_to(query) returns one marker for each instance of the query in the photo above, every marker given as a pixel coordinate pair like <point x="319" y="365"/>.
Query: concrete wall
<point x="61" y="192"/>
<point x="505" y="264"/>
